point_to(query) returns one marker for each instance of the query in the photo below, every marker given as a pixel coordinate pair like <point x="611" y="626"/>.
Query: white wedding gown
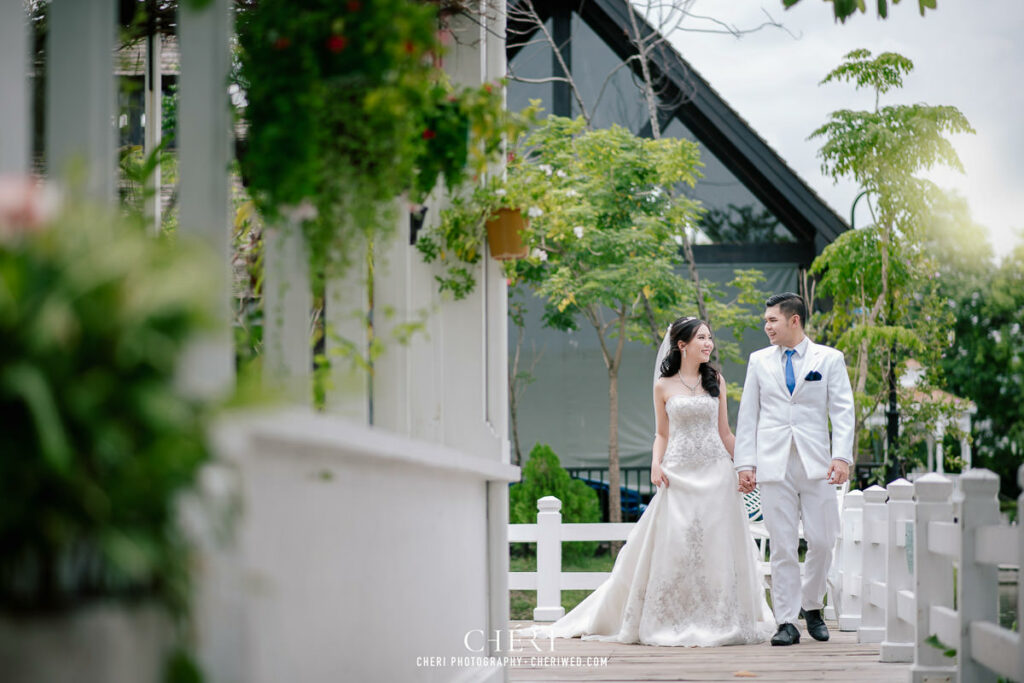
<point x="687" y="574"/>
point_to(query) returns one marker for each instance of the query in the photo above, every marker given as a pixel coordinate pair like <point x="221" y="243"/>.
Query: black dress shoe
<point x="786" y="635"/>
<point x="815" y="624"/>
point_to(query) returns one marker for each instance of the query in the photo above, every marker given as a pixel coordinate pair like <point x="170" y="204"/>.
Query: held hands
<point x="838" y="472"/>
<point x="748" y="481"/>
<point x="658" y="477"/>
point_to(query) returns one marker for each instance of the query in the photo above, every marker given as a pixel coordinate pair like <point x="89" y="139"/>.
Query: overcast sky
<point x="967" y="53"/>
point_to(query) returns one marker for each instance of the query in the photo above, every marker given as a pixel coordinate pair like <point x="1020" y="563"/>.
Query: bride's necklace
<point x="693" y="389"/>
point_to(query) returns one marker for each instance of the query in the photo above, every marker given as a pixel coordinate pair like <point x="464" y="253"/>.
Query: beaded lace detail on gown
<point x="687" y="574"/>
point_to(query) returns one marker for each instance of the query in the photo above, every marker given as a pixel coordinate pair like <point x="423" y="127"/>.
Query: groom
<point x="793" y="388"/>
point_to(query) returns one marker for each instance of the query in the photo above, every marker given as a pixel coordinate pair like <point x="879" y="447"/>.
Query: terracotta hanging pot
<point x="504" y="234"/>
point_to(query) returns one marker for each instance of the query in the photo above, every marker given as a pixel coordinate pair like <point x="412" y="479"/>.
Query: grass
<point x="521" y="603"/>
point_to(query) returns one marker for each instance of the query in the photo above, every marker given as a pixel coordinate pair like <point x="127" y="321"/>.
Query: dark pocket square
<point x="813" y="376"/>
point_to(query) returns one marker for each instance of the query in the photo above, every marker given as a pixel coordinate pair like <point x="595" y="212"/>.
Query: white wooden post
<point x="872" y="623"/>
<point x="15" y="131"/>
<point x="852" y="561"/>
<point x="80" y="96"/>
<point x="977" y="582"/>
<point x="154" y="124"/>
<point x="287" y="303"/>
<point x="549" y="560"/>
<point x="1020" y="569"/>
<point x="204" y="151"/>
<point x="933" y="577"/>
<point x="898" y="645"/>
<point x="347" y="304"/>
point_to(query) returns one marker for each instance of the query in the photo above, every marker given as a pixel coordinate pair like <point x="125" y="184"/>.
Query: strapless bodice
<point x="693" y="431"/>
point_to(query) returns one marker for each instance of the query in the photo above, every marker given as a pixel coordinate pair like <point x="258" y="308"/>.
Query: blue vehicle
<point x="632" y="503"/>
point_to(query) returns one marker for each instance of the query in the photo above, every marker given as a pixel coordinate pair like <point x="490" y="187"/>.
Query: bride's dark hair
<point x="683" y="330"/>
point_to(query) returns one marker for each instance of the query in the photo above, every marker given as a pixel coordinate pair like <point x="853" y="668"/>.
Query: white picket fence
<point x="914" y="561"/>
<point x="921" y="562"/>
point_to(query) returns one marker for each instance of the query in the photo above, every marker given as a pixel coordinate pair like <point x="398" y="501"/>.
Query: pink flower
<point x="25" y="205"/>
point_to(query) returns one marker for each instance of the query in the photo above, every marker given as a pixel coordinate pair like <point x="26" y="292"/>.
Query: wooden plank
<point x="841" y="660"/>
<point x="597" y="532"/>
<point x="945" y="623"/>
<point x="522" y="533"/>
<point x="522" y="581"/>
<point x="906" y="606"/>
<point x="944" y="538"/>
<point x="583" y="580"/>
<point x="997" y="648"/>
<point x="996" y="544"/>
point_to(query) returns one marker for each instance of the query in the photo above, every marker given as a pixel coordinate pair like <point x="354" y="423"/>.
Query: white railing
<point x="898" y="560"/>
<point x="549" y="533"/>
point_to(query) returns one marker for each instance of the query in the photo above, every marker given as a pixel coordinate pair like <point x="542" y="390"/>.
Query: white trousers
<point x="785" y="503"/>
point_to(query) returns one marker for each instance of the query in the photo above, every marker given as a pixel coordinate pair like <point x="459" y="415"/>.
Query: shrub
<point x="543" y="475"/>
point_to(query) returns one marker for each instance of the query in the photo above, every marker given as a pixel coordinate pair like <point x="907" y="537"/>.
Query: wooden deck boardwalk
<point x="841" y="660"/>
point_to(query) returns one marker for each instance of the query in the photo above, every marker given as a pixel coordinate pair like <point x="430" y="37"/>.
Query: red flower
<point x="410" y="47"/>
<point x="487" y="87"/>
<point x="429" y="134"/>
<point x="282" y="43"/>
<point x="511" y="157"/>
<point x="354" y="5"/>
<point x="337" y="43"/>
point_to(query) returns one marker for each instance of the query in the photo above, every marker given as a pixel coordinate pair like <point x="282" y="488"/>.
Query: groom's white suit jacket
<point x="771" y="420"/>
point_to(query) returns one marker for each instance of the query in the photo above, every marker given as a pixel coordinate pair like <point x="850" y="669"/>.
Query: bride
<point x="686" y="575"/>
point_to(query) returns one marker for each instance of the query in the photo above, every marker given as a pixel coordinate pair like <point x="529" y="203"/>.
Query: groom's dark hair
<point x="790" y="304"/>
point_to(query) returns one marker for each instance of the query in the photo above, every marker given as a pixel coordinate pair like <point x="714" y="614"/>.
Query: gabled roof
<point x="715" y="124"/>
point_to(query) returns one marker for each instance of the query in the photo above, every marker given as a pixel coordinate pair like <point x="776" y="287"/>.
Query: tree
<point x="886" y="302"/>
<point x="605" y="234"/>
<point x="844" y="9"/>
<point x="652" y="23"/>
<point x="986" y="361"/>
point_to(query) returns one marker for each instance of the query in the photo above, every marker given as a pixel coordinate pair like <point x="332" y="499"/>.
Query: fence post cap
<point x="933" y="487"/>
<point x="548" y="504"/>
<point x="875" y="494"/>
<point x="854" y="499"/>
<point x="979" y="482"/>
<point x="900" y="489"/>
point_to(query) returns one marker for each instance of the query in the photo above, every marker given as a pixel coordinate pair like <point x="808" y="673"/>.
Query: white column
<point x="1020" y="564"/>
<point x="933" y="577"/>
<point x="15" y="130"/>
<point x="287" y="303"/>
<point x="154" y="125"/>
<point x="549" y="560"/>
<point x="345" y="318"/>
<point x="80" y="96"/>
<point x="851" y="557"/>
<point x="872" y="623"/>
<point x="898" y="645"/>
<point x="977" y="583"/>
<point x="204" y="151"/>
<point x="940" y="456"/>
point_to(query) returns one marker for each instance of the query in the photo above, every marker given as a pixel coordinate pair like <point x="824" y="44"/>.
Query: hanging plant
<point x="347" y="109"/>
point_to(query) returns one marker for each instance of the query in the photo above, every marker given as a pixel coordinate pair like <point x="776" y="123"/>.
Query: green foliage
<point x="543" y="475"/>
<point x="347" y="110"/>
<point x="986" y="364"/>
<point x="887" y="303"/>
<point x="605" y="230"/>
<point x="843" y="9"/>
<point x="97" y="441"/>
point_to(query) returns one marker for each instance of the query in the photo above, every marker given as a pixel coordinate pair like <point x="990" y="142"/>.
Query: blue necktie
<point x="790" y="377"/>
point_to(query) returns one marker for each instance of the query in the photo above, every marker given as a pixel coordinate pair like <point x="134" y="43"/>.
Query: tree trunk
<point x="614" y="496"/>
